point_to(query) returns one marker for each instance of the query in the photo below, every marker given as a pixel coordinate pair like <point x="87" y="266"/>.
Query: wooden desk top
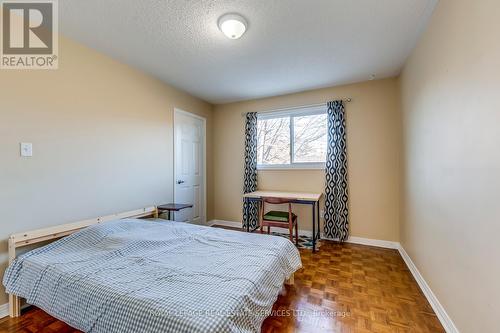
<point x="288" y="195"/>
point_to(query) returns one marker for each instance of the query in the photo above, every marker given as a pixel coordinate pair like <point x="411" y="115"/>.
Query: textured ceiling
<point x="290" y="45"/>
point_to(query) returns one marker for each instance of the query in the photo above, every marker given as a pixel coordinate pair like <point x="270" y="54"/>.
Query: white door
<point x="189" y="166"/>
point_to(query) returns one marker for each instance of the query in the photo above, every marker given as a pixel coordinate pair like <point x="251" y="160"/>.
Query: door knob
<point x="180" y="182"/>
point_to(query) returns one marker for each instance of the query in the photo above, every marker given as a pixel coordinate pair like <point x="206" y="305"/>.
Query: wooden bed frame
<point x="51" y="233"/>
<point x="41" y="235"/>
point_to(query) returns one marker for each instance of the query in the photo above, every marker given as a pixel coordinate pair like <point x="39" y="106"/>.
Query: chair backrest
<point x="276" y="201"/>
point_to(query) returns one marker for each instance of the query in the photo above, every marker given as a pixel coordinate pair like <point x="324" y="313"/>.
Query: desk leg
<point x="319" y="221"/>
<point x="247" y="201"/>
<point x="314" y="226"/>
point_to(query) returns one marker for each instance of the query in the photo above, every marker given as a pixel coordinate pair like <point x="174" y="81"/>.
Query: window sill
<point x="291" y="167"/>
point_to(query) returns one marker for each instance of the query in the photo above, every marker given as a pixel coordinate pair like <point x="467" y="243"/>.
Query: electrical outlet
<point x="26" y="149"/>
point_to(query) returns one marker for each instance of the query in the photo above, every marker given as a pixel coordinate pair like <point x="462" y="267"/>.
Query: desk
<point x="298" y="198"/>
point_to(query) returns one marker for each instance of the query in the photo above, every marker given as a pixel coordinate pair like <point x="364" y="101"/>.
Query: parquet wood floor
<point x="347" y="288"/>
<point x="343" y="288"/>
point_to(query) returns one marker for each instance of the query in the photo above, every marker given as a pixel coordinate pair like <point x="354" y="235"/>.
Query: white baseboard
<point x="368" y="241"/>
<point x="373" y="242"/>
<point x="224" y="223"/>
<point x="4" y="310"/>
<point x="441" y="313"/>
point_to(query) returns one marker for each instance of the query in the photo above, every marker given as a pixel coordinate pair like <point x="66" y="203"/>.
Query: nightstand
<point x="172" y="207"/>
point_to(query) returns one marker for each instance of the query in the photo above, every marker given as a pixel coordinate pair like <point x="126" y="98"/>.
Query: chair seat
<point x="278" y="216"/>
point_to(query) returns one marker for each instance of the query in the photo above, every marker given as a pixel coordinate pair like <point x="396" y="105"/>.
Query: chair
<point x="279" y="218"/>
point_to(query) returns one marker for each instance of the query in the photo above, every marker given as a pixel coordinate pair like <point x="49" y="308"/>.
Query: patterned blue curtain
<point x="250" y="209"/>
<point x="336" y="193"/>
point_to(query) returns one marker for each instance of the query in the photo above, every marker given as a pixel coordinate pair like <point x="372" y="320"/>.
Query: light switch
<point x="26" y="149"/>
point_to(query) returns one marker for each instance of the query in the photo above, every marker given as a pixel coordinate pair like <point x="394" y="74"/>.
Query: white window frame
<point x="293" y="112"/>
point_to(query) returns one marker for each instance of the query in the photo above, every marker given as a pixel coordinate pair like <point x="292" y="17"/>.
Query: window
<point x="292" y="139"/>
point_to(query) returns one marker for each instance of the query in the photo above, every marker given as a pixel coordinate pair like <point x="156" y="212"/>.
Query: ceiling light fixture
<point x="232" y="25"/>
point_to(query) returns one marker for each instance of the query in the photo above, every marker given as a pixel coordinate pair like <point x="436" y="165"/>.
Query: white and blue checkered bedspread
<point x="140" y="276"/>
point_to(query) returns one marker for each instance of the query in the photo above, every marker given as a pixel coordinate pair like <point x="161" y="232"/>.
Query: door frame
<point x="204" y="158"/>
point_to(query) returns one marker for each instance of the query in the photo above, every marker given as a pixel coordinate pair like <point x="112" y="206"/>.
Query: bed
<point x="134" y="275"/>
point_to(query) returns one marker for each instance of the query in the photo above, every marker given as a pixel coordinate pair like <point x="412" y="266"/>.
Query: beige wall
<point x="102" y="138"/>
<point x="373" y="127"/>
<point x="451" y="102"/>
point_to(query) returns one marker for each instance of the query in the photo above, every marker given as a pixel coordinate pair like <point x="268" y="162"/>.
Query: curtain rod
<point x="346" y="100"/>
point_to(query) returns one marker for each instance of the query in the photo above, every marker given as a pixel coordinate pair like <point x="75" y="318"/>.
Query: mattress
<point x="136" y="275"/>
